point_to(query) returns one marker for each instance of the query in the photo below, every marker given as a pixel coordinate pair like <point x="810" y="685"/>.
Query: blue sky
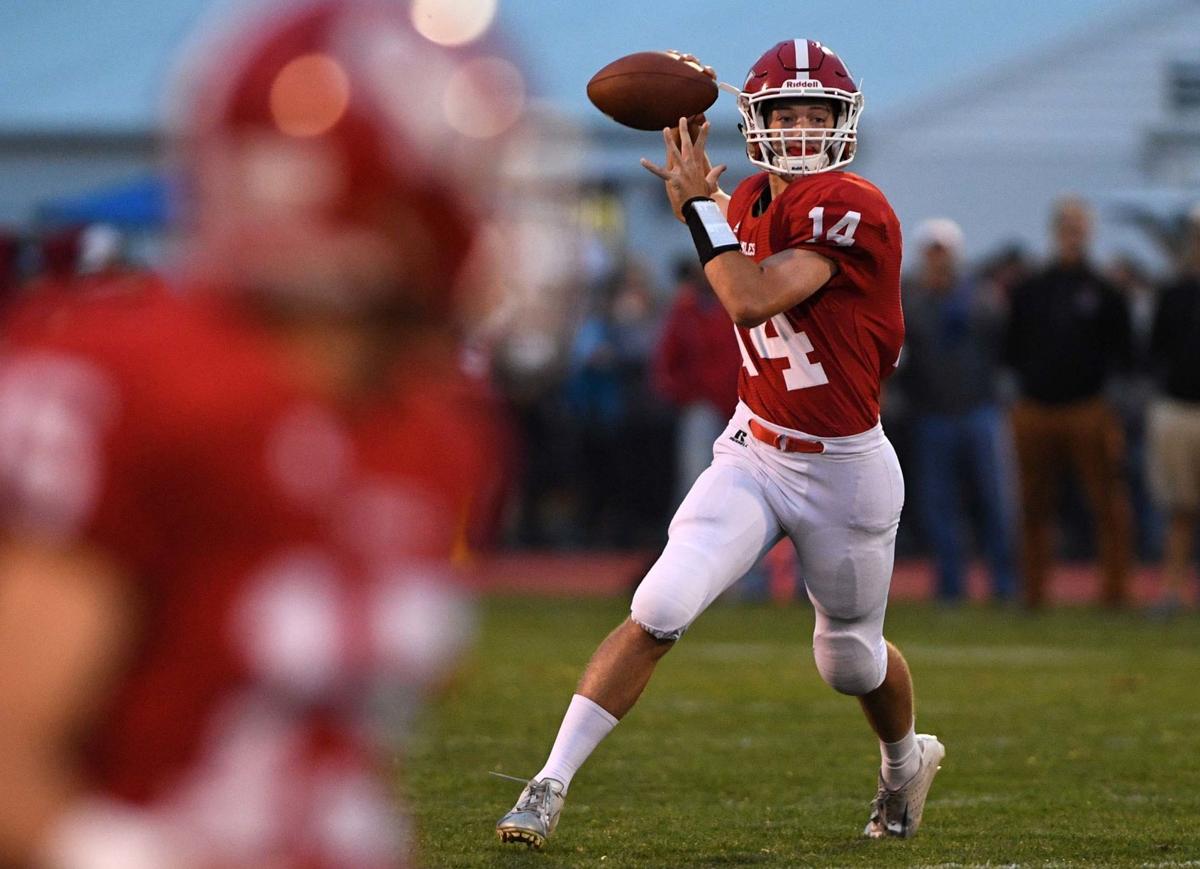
<point x="901" y="49"/>
<point x="70" y="64"/>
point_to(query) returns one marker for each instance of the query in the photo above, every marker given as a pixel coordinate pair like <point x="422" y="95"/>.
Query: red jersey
<point x="46" y="302"/>
<point x="288" y="557"/>
<point x="818" y="367"/>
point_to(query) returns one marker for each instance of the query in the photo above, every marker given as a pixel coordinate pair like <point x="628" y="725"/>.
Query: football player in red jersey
<point x="806" y="260"/>
<point x="227" y="513"/>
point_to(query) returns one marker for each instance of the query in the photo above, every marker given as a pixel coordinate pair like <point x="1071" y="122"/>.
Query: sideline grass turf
<point x="1073" y="739"/>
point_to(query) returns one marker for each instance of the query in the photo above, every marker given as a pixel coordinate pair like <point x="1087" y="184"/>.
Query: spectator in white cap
<point x="961" y="445"/>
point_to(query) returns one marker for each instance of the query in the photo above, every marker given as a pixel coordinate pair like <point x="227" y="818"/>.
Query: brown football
<point x="650" y="90"/>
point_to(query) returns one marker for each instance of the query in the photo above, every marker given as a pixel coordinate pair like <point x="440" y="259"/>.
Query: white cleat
<point x="898" y="813"/>
<point x="535" y="815"/>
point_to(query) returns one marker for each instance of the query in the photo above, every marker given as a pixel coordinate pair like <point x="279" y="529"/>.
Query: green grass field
<point x="1073" y="739"/>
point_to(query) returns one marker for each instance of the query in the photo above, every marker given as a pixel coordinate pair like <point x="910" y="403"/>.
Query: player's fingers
<point x="673" y="151"/>
<point x="685" y="138"/>
<point x="713" y="174"/>
<point x="702" y="136"/>
<point x="655" y="170"/>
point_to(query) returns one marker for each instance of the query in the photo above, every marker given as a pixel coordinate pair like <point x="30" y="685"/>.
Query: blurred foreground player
<point x="810" y="275"/>
<point x="228" y="520"/>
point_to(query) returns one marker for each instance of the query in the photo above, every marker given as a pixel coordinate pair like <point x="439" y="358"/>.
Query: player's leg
<point x="844" y="527"/>
<point x="889" y="711"/>
<point x="720" y="530"/>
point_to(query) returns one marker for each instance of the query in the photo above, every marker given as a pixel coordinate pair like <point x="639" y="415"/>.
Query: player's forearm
<point x="742" y="288"/>
<point x="751" y="292"/>
<point x="754" y="292"/>
<point x="735" y="278"/>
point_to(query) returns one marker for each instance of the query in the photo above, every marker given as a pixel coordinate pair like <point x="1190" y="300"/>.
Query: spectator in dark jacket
<point x="1068" y="333"/>
<point x="1174" y="427"/>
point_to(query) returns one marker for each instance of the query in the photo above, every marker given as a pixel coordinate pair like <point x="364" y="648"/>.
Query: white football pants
<point x="840" y="508"/>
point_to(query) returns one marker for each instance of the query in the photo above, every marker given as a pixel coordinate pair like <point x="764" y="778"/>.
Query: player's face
<point x="802" y="115"/>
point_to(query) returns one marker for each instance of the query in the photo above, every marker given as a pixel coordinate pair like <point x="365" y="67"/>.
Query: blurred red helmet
<point x="332" y="156"/>
<point x="800" y="69"/>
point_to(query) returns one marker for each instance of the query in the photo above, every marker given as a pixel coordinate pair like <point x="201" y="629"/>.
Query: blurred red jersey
<point x="289" y="559"/>
<point x="48" y="302"/>
<point x="818" y="367"/>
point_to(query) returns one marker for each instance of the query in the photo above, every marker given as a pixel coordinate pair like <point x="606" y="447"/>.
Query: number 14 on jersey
<point x="786" y="343"/>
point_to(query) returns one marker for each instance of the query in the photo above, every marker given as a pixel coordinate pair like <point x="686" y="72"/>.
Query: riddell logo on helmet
<point x="802" y="83"/>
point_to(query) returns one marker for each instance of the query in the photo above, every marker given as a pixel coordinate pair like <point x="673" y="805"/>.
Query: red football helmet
<point x="334" y="154"/>
<point x="800" y="69"/>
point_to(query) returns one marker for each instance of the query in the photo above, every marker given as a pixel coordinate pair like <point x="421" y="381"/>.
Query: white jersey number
<point x="786" y="343"/>
<point x="841" y="233"/>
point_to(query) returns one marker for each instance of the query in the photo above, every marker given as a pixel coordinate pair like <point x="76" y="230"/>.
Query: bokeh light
<point x="309" y="95"/>
<point x="453" y="22"/>
<point x="484" y="97"/>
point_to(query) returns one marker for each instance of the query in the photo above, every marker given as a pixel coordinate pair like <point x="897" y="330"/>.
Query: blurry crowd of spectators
<point x="1046" y="407"/>
<point x="1040" y="410"/>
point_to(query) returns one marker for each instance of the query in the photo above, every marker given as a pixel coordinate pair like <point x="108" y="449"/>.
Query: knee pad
<point x="659" y="613"/>
<point x="678" y="588"/>
<point x="849" y="662"/>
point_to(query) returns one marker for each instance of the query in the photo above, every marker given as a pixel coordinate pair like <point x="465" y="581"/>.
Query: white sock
<point x="582" y="729"/>
<point x="900" y="759"/>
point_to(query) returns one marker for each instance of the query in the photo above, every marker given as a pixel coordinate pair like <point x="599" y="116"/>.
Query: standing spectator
<point x="1174" y="428"/>
<point x="595" y="401"/>
<point x="949" y="372"/>
<point x="696" y="366"/>
<point x="645" y="435"/>
<point x="1132" y="401"/>
<point x="1068" y="333"/>
<point x="1005" y="270"/>
<point x="624" y="434"/>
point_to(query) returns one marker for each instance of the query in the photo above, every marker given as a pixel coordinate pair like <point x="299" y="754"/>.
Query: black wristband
<point x="710" y="231"/>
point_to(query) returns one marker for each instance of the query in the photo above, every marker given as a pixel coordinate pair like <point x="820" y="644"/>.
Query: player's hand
<point x="694" y="125"/>
<point x="692" y="60"/>
<point x="687" y="172"/>
<point x="695" y="121"/>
